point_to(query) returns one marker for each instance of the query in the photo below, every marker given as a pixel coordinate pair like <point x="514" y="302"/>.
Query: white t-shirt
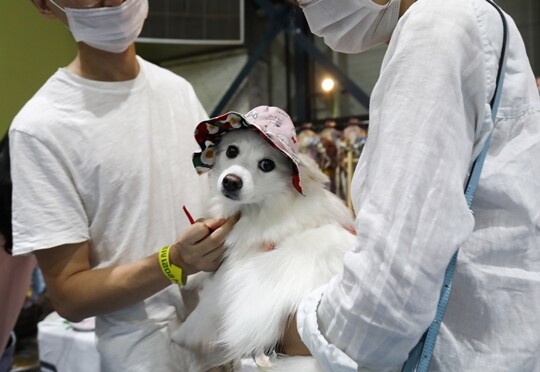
<point x="110" y="162"/>
<point x="429" y="118"/>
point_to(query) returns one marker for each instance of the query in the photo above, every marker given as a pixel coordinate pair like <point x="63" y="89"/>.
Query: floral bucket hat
<point x="272" y="123"/>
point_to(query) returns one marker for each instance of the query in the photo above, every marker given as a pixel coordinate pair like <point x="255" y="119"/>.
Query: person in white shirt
<point x="101" y="167"/>
<point x="429" y="118"/>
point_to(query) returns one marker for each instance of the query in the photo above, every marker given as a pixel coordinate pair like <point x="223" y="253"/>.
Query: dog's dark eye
<point x="266" y="165"/>
<point x="232" y="152"/>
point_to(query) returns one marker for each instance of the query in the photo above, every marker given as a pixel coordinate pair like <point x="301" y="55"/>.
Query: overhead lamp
<point x="327" y="84"/>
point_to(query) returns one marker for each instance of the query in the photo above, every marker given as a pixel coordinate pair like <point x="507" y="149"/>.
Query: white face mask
<point x="366" y="26"/>
<point x="112" y="29"/>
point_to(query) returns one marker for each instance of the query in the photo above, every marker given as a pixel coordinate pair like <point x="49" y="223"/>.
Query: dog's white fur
<point x="243" y="307"/>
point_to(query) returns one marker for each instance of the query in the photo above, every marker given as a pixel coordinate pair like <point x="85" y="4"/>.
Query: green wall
<point x="32" y="47"/>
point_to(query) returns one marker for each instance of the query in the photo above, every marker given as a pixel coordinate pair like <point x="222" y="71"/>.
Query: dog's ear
<point x="310" y="171"/>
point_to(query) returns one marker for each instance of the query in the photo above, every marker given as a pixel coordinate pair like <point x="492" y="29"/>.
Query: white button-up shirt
<point x="429" y="118"/>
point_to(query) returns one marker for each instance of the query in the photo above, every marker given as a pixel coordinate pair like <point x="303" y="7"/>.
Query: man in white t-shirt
<point x="101" y="167"/>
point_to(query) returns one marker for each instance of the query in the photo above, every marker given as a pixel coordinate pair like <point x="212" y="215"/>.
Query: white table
<point x="62" y="348"/>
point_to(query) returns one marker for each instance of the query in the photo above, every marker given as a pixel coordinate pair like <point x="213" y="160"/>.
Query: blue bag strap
<point x="420" y="356"/>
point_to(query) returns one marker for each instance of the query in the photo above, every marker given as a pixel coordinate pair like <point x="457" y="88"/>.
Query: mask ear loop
<point x="66" y="23"/>
<point x="58" y="6"/>
<point x="390" y="7"/>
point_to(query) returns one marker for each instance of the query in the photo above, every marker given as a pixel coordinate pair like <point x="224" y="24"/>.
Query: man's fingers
<point x="198" y="231"/>
<point x="219" y="234"/>
<point x="216" y="254"/>
<point x="215" y="238"/>
<point x="202" y="244"/>
<point x="214" y="223"/>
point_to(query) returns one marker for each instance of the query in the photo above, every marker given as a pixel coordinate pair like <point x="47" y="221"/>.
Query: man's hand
<point x="200" y="247"/>
<point x="292" y="343"/>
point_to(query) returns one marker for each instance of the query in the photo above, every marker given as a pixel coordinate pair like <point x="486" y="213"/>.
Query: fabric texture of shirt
<point x="429" y="118"/>
<point x="110" y="163"/>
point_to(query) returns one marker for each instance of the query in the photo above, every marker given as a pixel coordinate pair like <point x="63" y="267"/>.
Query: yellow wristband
<point x="173" y="272"/>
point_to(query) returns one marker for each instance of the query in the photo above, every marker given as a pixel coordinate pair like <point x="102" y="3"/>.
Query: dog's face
<point x="249" y="171"/>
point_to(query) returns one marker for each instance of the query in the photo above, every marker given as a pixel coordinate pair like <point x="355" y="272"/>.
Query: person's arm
<point x="15" y="278"/>
<point x="77" y="291"/>
<point x="292" y="343"/>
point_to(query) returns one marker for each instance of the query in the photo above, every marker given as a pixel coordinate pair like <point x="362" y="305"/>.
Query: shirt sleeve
<point x="47" y="209"/>
<point x="427" y="118"/>
<point x="330" y="356"/>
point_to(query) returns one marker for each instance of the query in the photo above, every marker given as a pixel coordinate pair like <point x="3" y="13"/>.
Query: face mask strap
<point x="58" y="6"/>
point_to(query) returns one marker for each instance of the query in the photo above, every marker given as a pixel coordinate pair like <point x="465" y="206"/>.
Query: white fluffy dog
<point x="289" y="240"/>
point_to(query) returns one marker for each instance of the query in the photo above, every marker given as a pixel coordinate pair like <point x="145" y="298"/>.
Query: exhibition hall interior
<point x="237" y="55"/>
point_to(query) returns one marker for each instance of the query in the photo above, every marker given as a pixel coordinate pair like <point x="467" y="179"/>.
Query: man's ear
<point x="43" y="7"/>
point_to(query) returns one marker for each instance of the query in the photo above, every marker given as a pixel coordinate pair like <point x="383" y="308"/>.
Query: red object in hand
<point x="190" y="218"/>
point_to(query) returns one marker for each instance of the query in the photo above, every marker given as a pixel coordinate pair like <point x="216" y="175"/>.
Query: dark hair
<point x="5" y="194"/>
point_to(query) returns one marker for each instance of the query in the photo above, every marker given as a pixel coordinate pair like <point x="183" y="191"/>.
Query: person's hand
<point x="200" y="247"/>
<point x="292" y="343"/>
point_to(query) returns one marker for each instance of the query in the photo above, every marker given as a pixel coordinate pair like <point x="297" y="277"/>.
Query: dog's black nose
<point x="232" y="182"/>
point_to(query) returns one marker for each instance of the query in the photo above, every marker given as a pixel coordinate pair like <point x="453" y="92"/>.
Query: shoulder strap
<point x="420" y="356"/>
